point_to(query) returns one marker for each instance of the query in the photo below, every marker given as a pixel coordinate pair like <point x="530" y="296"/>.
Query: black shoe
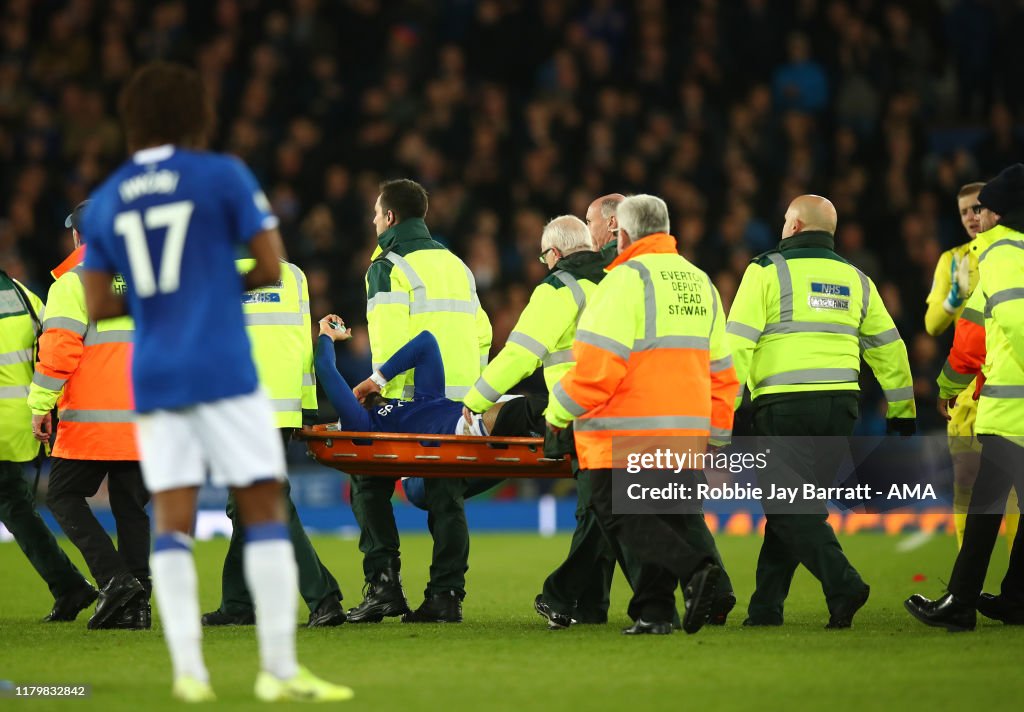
<point x="382" y="596"/>
<point x="758" y="623"/>
<point x="946" y="612"/>
<point x="68" y="606"/>
<point x="328" y="614"/>
<point x="842" y="615"/>
<point x="444" y="607"/>
<point x="721" y="607"/>
<point x="699" y="594"/>
<point x="112" y="599"/>
<point x="556" y="620"/>
<point x="136" y="615"/>
<point x="590" y="618"/>
<point x="219" y="617"/>
<point x="642" y="627"/>
<point x="998" y="609"/>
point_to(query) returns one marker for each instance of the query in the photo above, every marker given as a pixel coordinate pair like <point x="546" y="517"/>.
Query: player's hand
<point x="333" y="326"/>
<point x="945" y="405"/>
<point x="468" y="414"/>
<point x="42" y="427"/>
<point x="364" y="389"/>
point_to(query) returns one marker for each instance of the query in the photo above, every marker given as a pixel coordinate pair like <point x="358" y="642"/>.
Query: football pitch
<point x="503" y="658"/>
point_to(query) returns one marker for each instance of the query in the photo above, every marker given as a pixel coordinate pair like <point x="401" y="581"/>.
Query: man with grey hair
<point x="656" y="302"/>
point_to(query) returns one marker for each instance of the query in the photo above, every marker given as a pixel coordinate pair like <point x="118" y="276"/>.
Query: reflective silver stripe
<point x="578" y="295"/>
<point x="297" y="274"/>
<point x="865" y="285"/>
<point x="1002" y="391"/>
<point x="714" y="305"/>
<point x="809" y="327"/>
<point x="645" y="422"/>
<point x="114" y="336"/>
<point x="721" y="433"/>
<point x="973" y="315"/>
<point x="650" y="305"/>
<point x="1004" y="295"/>
<point x="429" y="306"/>
<point x="720" y="364"/>
<point x="955" y="376"/>
<point x="742" y="330"/>
<point x="97" y="416"/>
<point x="387" y="298"/>
<point x="286" y="405"/>
<point x="1000" y="243"/>
<point x="486" y="390"/>
<point x="899" y="394"/>
<point x="810" y="375"/>
<point x="13" y="391"/>
<point x="529" y="343"/>
<point x="456" y="393"/>
<point x="12" y="357"/>
<point x="483" y="361"/>
<point x="672" y="341"/>
<point x="408" y="392"/>
<point x="566" y="401"/>
<point x="889" y="336"/>
<point x="603" y="342"/>
<point x="308" y="379"/>
<point x="785" y="286"/>
<point x="273" y="319"/>
<point x="44" y="381"/>
<point x="559" y="357"/>
<point x="65" y="322"/>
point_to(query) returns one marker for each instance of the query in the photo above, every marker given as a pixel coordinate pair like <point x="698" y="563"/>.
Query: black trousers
<point x="659" y="542"/>
<point x="1002" y="468"/>
<point x="71" y="481"/>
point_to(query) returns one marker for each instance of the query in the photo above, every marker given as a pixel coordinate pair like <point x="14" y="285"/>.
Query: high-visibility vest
<point x="1001" y="405"/>
<point x="801" y="318"/>
<point x="415" y="284"/>
<point x="545" y="331"/>
<point x="651" y="356"/>
<point x="279" y="325"/>
<point x="84" y="368"/>
<point x="19" y="311"/>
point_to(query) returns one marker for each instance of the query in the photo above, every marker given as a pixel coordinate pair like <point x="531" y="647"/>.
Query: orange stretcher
<point x="412" y="455"/>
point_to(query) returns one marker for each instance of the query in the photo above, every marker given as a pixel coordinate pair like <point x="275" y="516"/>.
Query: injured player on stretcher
<point x="365" y="410"/>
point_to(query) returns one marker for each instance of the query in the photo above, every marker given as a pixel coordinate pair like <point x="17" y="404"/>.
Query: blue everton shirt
<point x="170" y="220"/>
<point x="428" y="412"/>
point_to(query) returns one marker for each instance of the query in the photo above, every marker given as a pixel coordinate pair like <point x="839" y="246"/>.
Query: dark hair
<point x="374" y="400"/>
<point x="405" y="198"/>
<point x="165" y="103"/>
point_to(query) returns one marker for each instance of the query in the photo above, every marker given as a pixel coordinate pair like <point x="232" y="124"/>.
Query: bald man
<point x="603" y="223"/>
<point x="801" y="318"/>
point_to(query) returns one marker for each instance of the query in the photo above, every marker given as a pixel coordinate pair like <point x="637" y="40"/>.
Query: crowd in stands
<point x="513" y="111"/>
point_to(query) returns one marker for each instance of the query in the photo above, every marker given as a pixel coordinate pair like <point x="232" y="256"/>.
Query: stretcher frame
<point x="425" y="455"/>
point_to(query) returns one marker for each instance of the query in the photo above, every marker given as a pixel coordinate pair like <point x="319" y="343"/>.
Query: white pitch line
<point x="914" y="541"/>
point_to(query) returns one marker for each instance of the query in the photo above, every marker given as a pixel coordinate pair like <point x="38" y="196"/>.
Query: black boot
<point x="699" y="595"/>
<point x="999" y="609"/>
<point x="382" y="596"/>
<point x="136" y="615"/>
<point x="443" y="607"/>
<point x="556" y="620"/>
<point x="68" y="606"/>
<point x="642" y="627"/>
<point x="721" y="607"/>
<point x="219" y="617"/>
<point x="946" y="612"/>
<point x="328" y="614"/>
<point x="842" y="615"/>
<point x="119" y="590"/>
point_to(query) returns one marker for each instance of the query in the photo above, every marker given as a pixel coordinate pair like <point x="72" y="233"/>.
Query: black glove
<point x="558" y="445"/>
<point x="901" y="426"/>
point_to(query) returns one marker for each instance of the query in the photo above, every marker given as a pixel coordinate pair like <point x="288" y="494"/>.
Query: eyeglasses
<point x="977" y="208"/>
<point x="544" y="255"/>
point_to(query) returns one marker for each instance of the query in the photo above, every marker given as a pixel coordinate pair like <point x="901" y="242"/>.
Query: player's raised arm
<point x="268" y="251"/>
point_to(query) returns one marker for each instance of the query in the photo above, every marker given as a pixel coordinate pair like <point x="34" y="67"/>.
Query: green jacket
<point x="545" y="330"/>
<point x="1001" y="266"/>
<point x="21" y="314"/>
<point x="415" y="284"/>
<point x="801" y="320"/>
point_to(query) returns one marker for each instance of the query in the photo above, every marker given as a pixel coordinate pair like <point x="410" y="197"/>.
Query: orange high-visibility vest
<point x="84" y="367"/>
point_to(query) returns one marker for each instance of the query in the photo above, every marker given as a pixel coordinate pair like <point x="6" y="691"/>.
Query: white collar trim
<point x="154" y="155"/>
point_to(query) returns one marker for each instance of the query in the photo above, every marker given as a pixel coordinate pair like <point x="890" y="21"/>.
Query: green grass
<point x="502" y="658"/>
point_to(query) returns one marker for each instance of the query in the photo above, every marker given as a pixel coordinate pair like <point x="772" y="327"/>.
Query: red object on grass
<point x="918" y="578"/>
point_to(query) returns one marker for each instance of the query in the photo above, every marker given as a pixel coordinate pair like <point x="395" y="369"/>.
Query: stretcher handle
<point x="324" y="434"/>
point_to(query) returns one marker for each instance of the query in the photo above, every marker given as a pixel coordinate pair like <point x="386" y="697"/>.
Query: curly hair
<point x="165" y="103"/>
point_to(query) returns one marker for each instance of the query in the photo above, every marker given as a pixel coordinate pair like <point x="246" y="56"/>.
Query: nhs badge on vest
<point x="825" y="295"/>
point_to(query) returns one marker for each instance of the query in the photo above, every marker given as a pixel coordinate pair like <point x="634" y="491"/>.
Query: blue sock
<point x="267" y="531"/>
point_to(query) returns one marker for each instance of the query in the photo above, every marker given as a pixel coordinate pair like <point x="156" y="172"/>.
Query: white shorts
<point x="474" y="427"/>
<point x="233" y="438"/>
